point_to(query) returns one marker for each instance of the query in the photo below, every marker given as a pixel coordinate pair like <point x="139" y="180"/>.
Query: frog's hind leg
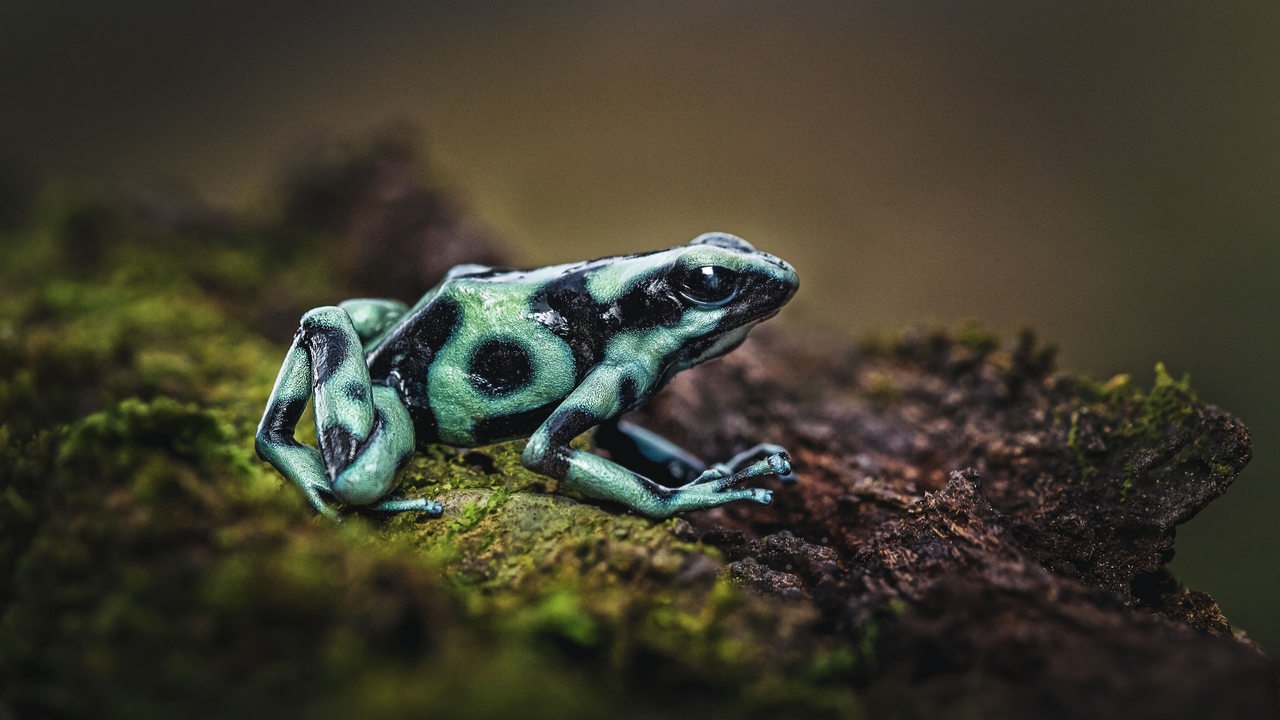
<point x="276" y="443"/>
<point x="365" y="432"/>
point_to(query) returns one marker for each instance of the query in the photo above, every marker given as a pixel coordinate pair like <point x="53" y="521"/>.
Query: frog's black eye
<point x="708" y="285"/>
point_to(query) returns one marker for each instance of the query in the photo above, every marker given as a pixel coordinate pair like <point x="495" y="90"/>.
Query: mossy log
<point x="973" y="534"/>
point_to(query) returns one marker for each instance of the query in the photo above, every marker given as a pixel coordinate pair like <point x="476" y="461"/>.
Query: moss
<point x="474" y="511"/>
<point x="1126" y="486"/>
<point x="1130" y="436"/>
<point x="1073" y="442"/>
<point x="1169" y="403"/>
<point x="177" y="568"/>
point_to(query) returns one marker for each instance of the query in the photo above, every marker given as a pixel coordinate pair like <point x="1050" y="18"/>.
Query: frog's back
<point x="471" y="360"/>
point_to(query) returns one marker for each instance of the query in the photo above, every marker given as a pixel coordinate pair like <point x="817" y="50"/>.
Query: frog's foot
<point x="717" y="486"/>
<point x="316" y="492"/>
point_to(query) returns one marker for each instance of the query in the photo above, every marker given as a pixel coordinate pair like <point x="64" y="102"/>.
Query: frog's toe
<point x="780" y="465"/>
<point x="773" y="465"/>
<point x="430" y="508"/>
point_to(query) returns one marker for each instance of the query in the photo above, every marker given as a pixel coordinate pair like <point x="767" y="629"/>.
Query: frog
<point x="491" y="355"/>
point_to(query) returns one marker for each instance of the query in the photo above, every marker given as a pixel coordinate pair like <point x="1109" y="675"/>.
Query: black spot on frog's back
<point x="567" y="309"/>
<point x="500" y="367"/>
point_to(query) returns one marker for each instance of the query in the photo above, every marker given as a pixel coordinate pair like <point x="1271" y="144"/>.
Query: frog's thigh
<point x="365" y="431"/>
<point x="340" y="380"/>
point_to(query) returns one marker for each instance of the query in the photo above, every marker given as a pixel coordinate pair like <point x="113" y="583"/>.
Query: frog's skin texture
<point x="491" y="355"/>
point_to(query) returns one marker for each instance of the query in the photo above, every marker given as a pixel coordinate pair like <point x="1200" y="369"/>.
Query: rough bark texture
<point x="972" y="535"/>
<point x="1006" y="528"/>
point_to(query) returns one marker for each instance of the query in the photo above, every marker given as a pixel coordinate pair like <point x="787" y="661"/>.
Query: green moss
<point x="1122" y="432"/>
<point x="558" y="614"/>
<point x="1073" y="442"/>
<point x="474" y="511"/>
<point x="1170" y="402"/>
<point x="178" y="574"/>
<point x="1222" y="470"/>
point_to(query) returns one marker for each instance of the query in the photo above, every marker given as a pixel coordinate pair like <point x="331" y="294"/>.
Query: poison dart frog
<point x="491" y="355"/>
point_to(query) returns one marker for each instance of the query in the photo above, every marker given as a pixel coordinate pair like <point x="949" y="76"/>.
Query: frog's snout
<point x="788" y="278"/>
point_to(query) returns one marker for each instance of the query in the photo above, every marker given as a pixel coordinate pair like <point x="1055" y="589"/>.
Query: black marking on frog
<point x="500" y="366"/>
<point x="650" y="304"/>
<point x="497" y="428"/>
<point x="406" y="372"/>
<point x="356" y="392"/>
<point x="566" y="308"/>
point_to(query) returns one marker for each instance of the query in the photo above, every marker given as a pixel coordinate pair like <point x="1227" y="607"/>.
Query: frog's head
<point x="726" y="286"/>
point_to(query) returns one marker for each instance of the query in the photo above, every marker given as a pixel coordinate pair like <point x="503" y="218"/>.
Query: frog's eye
<point x="708" y="285"/>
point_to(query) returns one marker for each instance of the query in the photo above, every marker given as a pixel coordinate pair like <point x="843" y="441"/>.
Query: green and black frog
<point x="491" y="355"/>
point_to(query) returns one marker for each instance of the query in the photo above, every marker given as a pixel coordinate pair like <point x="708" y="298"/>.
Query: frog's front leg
<point x="365" y="432"/>
<point x="595" y="401"/>
<point x="656" y="457"/>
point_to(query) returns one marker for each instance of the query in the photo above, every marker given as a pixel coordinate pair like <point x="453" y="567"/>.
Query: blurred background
<point x="1106" y="173"/>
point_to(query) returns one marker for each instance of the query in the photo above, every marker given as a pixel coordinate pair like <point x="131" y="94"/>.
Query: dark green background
<point x="1107" y="173"/>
